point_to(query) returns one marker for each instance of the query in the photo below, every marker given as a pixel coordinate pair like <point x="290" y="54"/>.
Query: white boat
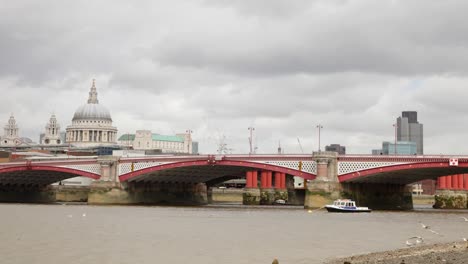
<point x="280" y="201"/>
<point x="346" y="206"/>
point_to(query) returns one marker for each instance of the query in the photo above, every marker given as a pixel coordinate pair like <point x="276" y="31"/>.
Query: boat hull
<point x="345" y="210"/>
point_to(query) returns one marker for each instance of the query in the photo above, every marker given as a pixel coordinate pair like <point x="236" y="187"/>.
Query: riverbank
<point x="450" y="253"/>
<point x="423" y="199"/>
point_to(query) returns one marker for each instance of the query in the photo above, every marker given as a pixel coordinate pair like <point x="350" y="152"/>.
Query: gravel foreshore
<point x="451" y="253"/>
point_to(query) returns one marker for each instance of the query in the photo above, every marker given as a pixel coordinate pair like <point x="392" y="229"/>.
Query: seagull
<point x="429" y="228"/>
<point x="464" y="239"/>
<point x="424" y="226"/>
<point x="418" y="239"/>
<point x="464" y="218"/>
<point x="434" y="232"/>
<point x="409" y="244"/>
<point x="84" y="215"/>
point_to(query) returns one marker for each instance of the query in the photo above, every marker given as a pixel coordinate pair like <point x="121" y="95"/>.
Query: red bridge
<point x="270" y="170"/>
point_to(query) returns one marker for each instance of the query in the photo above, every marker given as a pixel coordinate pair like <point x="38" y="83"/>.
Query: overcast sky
<point x="218" y="67"/>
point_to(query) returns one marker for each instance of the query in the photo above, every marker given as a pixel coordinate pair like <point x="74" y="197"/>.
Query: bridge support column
<point x="451" y="199"/>
<point x="460" y="182"/>
<point x="267" y="193"/>
<point x="251" y="193"/>
<point x="325" y="188"/>
<point x="448" y="182"/>
<point x="281" y="193"/>
<point x="441" y="183"/>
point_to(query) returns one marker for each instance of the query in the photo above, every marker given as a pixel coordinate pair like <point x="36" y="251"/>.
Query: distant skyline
<point x="218" y="67"/>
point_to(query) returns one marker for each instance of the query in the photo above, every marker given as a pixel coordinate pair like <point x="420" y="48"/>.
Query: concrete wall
<point x="451" y="199"/>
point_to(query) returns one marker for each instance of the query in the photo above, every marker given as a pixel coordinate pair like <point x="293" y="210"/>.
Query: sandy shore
<point x="451" y="253"/>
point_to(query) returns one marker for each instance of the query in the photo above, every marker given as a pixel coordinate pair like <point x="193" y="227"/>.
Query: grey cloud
<point x="218" y="67"/>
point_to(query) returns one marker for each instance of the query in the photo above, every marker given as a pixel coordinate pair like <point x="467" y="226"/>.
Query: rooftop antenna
<point x="222" y="146"/>
<point x="251" y="129"/>
<point x="300" y="145"/>
<point x="255" y="147"/>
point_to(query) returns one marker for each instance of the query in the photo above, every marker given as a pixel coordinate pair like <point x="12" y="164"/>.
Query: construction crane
<point x="298" y="141"/>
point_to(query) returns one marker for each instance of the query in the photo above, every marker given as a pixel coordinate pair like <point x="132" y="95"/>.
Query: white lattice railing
<point x="345" y="167"/>
<point x="125" y="168"/>
<point x="92" y="168"/>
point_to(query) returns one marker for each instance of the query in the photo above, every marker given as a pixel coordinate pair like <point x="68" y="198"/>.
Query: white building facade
<point x="146" y="140"/>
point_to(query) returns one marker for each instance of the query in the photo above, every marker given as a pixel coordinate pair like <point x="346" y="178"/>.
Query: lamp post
<point x="251" y="129"/>
<point x="189" y="132"/>
<point x="319" y="127"/>
<point x="395" y="126"/>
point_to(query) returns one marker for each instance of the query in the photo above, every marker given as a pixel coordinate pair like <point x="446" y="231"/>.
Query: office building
<point x="410" y="130"/>
<point x="336" y="148"/>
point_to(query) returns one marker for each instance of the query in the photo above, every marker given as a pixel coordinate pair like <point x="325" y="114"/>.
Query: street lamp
<point x="251" y="129"/>
<point x="319" y="127"/>
<point x="396" y="127"/>
<point x="189" y="132"/>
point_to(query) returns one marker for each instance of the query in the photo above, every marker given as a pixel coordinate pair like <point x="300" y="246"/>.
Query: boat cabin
<point x="344" y="203"/>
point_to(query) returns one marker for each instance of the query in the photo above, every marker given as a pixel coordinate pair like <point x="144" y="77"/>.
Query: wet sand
<point x="450" y="253"/>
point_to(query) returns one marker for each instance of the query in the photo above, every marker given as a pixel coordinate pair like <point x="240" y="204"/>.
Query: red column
<point x="263" y="179"/>
<point x="248" y="179"/>
<point x="465" y="176"/>
<point x="269" y="180"/>
<point x="460" y="181"/>
<point x="278" y="180"/>
<point x="254" y="179"/>
<point x="283" y="180"/>
<point x="448" y="181"/>
<point x="441" y="183"/>
<point x="454" y="182"/>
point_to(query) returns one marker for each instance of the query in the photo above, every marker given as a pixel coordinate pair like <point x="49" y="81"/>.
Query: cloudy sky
<point x="218" y="67"/>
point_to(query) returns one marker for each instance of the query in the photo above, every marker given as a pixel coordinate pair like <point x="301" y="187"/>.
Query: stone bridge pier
<point x="326" y="187"/>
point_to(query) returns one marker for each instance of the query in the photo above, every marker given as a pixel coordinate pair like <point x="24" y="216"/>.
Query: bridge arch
<point x="404" y="173"/>
<point x="40" y="174"/>
<point x="241" y="166"/>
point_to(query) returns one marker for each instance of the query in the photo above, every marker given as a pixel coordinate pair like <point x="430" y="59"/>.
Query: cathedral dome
<point x="91" y="124"/>
<point x="92" y="112"/>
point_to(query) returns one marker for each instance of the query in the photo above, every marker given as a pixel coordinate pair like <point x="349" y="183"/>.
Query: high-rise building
<point x="336" y="148"/>
<point x="409" y="129"/>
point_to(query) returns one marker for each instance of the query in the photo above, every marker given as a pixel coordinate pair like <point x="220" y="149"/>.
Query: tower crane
<point x="300" y="145"/>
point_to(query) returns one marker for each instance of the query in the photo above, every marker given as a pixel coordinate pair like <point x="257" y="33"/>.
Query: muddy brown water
<point x="210" y="234"/>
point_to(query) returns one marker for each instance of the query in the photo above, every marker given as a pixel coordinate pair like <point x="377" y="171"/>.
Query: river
<point x="209" y="234"/>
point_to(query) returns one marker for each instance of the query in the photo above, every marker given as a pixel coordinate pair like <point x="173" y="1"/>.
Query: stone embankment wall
<point x="450" y="199"/>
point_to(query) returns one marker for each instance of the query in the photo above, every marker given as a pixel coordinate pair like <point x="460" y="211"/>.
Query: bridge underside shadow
<point x="193" y="174"/>
<point x="32" y="178"/>
<point x="31" y="186"/>
<point x="188" y="185"/>
<point x="390" y="190"/>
